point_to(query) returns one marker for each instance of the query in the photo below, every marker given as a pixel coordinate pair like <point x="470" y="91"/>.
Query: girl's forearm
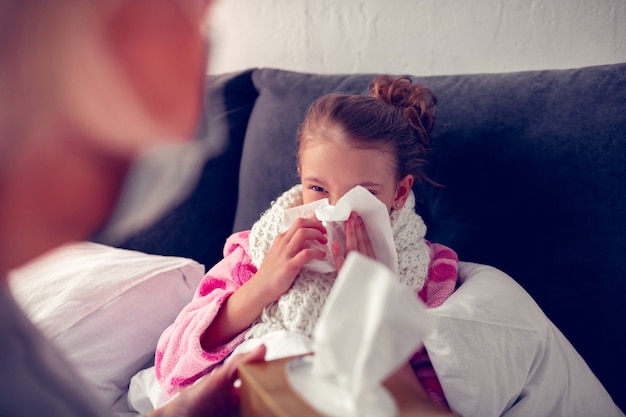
<point x="236" y="314"/>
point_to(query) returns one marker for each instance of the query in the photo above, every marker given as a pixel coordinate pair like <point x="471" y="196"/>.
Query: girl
<point x="380" y="142"/>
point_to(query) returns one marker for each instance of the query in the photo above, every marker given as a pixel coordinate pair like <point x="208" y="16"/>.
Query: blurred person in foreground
<point x="86" y="88"/>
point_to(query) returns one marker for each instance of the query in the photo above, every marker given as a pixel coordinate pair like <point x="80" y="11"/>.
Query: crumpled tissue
<point x="375" y="217"/>
<point x="369" y="327"/>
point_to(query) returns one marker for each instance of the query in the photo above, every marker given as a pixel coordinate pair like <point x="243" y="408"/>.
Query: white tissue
<point x="375" y="217"/>
<point x="369" y="327"/>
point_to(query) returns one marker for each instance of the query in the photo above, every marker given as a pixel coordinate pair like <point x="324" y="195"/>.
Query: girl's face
<point x="329" y="169"/>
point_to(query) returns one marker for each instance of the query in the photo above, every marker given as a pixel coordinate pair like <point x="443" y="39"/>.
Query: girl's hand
<point x="283" y="262"/>
<point x="288" y="254"/>
<point x="357" y="239"/>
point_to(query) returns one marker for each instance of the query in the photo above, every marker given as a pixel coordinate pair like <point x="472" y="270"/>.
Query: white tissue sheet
<point x="369" y="327"/>
<point x="374" y="214"/>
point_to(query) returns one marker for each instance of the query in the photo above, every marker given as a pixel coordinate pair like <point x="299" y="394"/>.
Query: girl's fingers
<point x="294" y="240"/>
<point x="301" y="231"/>
<point x="351" y="242"/>
<point x="357" y="237"/>
<point x="303" y="235"/>
<point x="306" y="255"/>
<point x="305" y="223"/>
<point x="338" y="255"/>
<point x="363" y="239"/>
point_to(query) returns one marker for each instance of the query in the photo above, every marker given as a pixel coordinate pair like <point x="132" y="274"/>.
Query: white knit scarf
<point x="298" y="309"/>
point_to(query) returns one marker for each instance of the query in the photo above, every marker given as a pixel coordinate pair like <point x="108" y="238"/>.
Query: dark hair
<point x="397" y="117"/>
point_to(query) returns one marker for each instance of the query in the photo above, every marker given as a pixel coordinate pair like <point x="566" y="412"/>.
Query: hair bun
<point x="416" y="102"/>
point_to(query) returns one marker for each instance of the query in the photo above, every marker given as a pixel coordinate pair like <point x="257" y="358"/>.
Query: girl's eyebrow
<point x="369" y="184"/>
<point x="366" y="184"/>
<point x="313" y="179"/>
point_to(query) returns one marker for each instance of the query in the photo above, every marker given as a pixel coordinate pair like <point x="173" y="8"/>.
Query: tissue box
<point x="265" y="392"/>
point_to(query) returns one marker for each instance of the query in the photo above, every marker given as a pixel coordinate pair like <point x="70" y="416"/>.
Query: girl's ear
<point x="403" y="191"/>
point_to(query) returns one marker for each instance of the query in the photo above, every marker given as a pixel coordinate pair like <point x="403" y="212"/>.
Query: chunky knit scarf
<point x="298" y="309"/>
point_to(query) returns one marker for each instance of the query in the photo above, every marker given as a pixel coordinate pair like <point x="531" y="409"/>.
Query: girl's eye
<point x="317" y="188"/>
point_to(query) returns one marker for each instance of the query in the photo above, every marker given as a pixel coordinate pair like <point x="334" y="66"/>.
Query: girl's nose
<point x="332" y="199"/>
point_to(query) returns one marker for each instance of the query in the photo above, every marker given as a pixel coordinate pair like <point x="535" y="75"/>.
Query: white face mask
<point x="158" y="180"/>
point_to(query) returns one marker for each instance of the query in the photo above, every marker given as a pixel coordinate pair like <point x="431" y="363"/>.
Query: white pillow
<point x="497" y="354"/>
<point x="104" y="307"/>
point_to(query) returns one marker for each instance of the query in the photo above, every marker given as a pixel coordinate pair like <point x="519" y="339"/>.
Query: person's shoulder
<point x="439" y="251"/>
<point x="238" y="240"/>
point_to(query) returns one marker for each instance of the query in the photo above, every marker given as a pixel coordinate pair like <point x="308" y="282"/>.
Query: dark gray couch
<point x="533" y="166"/>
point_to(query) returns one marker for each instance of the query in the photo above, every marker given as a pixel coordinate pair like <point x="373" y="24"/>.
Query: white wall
<point x="421" y="37"/>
